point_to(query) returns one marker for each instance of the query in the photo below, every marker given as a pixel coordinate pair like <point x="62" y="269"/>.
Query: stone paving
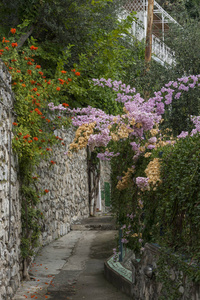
<point x="46" y="265"/>
<point x="71" y="268"/>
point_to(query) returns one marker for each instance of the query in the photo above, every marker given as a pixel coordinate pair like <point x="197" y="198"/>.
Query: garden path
<point x="72" y="267"/>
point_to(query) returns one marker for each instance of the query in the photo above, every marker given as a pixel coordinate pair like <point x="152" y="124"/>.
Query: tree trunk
<point x="89" y="178"/>
<point x="25" y="269"/>
<point x="24" y="37"/>
<point x="96" y="189"/>
<point x="148" y="49"/>
<point x="93" y="181"/>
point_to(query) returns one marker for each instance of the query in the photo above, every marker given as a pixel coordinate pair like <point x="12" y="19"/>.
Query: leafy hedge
<point x="177" y="200"/>
<point x="169" y="213"/>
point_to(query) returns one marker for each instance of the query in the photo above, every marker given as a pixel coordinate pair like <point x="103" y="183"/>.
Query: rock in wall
<point x="146" y="285"/>
<point x="10" y="224"/>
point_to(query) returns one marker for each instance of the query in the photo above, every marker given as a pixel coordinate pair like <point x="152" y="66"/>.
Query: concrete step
<point x="95" y="223"/>
<point x="83" y="227"/>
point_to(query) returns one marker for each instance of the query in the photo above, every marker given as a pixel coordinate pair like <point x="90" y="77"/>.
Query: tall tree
<point x="58" y="23"/>
<point x="148" y="48"/>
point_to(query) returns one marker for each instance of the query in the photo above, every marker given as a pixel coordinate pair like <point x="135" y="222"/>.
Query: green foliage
<point x="100" y="2"/>
<point x="122" y="200"/>
<point x="182" y="10"/>
<point x="85" y="35"/>
<point x="110" y="57"/>
<point x="177" y="117"/>
<point x="171" y="209"/>
<point x="178" y="39"/>
<point x="166" y="214"/>
<point x="178" y="197"/>
<point x="170" y="287"/>
<point x="30" y="217"/>
<point x="57" y="23"/>
<point x="185" y="269"/>
<point x="170" y="213"/>
<point x="34" y="126"/>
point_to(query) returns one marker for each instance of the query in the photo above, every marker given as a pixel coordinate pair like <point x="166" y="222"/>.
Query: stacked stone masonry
<point x="10" y="224"/>
<point x="146" y="286"/>
<point x="67" y="182"/>
<point x="66" y="201"/>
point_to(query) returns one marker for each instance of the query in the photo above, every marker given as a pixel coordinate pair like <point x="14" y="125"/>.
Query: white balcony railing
<point x="160" y="51"/>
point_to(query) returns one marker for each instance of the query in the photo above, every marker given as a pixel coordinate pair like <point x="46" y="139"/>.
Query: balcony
<point x="161" y="20"/>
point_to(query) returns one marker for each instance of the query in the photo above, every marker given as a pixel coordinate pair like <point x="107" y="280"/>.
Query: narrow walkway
<point x="71" y="268"/>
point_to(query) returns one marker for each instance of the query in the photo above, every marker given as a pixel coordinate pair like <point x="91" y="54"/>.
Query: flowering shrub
<point x="148" y="166"/>
<point x="140" y="120"/>
<point x="172" y="209"/>
<point x="34" y="126"/>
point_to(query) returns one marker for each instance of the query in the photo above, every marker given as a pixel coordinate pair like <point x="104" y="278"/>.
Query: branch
<point x="24" y="37"/>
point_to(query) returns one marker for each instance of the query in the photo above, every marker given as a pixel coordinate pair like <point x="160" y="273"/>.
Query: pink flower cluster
<point x="89" y="115"/>
<point x="59" y="107"/>
<point x="153" y="104"/>
<point x="183" y="134"/>
<point x="144" y="113"/>
<point x="196" y="122"/>
<point x="115" y="85"/>
<point x="142" y="183"/>
<point x="107" y="155"/>
<point x="99" y="140"/>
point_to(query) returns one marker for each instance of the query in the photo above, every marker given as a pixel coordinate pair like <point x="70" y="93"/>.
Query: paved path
<point x="71" y="268"/>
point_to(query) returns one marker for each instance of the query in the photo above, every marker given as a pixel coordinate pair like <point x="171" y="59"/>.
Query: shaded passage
<point x="82" y="277"/>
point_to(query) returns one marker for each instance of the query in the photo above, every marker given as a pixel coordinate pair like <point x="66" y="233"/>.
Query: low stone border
<point x="119" y="276"/>
<point x="140" y="282"/>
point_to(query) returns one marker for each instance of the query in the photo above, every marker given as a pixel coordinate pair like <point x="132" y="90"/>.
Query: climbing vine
<point x="34" y="126"/>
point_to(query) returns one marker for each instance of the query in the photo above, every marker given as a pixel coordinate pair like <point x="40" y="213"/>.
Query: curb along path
<point x="71" y="268"/>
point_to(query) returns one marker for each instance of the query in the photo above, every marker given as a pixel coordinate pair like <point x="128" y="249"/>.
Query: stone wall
<point x="67" y="199"/>
<point x="67" y="182"/>
<point x="10" y="225"/>
<point x="145" y="272"/>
